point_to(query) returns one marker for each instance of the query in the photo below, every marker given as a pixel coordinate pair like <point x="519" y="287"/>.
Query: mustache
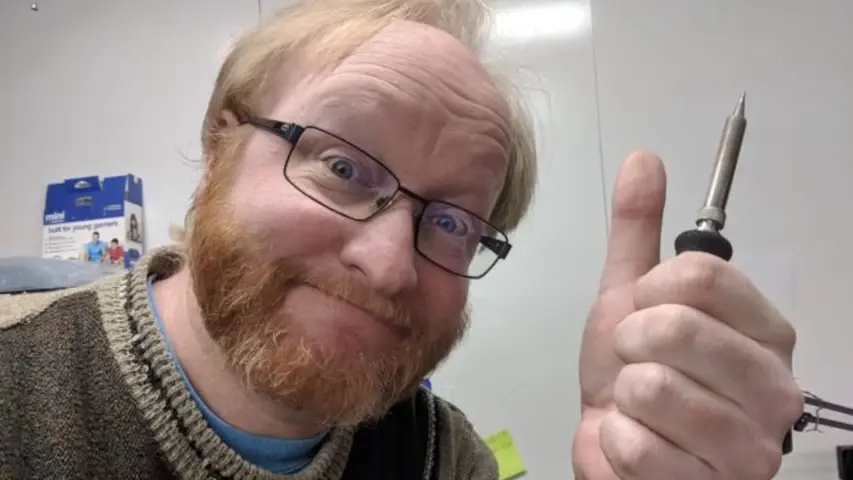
<point x="247" y="284"/>
<point x="388" y="311"/>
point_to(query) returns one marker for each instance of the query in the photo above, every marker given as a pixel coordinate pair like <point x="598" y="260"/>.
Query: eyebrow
<point x="474" y="189"/>
<point x="341" y="115"/>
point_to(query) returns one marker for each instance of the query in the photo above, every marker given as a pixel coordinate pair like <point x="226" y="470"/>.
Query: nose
<point x="383" y="251"/>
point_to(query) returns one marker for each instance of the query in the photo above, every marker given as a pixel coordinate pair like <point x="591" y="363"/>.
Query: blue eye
<point x="449" y="224"/>
<point x="344" y="168"/>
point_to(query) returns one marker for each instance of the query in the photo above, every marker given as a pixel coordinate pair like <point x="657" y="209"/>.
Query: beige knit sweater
<point x="88" y="391"/>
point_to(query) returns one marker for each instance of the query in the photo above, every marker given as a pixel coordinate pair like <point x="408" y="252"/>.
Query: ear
<point x="202" y="183"/>
<point x="228" y="119"/>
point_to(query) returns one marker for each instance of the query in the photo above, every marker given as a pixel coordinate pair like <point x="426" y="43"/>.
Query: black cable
<point x="808" y="418"/>
<point x="824" y="405"/>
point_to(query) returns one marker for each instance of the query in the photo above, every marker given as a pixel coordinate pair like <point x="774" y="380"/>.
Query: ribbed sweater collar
<point x="192" y="448"/>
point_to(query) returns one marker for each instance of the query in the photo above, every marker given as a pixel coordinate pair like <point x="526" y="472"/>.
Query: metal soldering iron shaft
<point x="712" y="215"/>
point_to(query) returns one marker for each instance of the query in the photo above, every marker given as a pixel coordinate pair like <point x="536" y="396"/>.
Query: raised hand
<point x="685" y="366"/>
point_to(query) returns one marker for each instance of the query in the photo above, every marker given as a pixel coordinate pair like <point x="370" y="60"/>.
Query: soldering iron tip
<point x="740" y="108"/>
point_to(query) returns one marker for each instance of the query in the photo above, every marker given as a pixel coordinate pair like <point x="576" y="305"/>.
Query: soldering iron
<point x="711" y="219"/>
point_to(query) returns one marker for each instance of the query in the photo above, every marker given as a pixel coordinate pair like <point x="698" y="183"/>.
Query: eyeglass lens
<point x="347" y="180"/>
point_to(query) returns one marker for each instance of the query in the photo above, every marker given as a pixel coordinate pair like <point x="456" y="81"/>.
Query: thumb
<point x="637" y="218"/>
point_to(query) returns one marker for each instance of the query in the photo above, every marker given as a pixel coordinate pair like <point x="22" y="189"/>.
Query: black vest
<point x="401" y="446"/>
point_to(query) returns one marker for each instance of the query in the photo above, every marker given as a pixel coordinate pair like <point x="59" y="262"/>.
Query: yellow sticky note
<point x="509" y="461"/>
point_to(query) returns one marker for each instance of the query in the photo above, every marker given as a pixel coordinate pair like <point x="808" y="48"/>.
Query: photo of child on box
<point x="115" y="252"/>
<point x="81" y="213"/>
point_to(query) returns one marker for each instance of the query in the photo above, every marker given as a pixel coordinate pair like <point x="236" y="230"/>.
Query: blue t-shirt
<point x="277" y="455"/>
<point x="96" y="250"/>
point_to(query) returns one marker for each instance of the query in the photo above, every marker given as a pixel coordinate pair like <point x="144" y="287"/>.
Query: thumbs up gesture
<point x="685" y="368"/>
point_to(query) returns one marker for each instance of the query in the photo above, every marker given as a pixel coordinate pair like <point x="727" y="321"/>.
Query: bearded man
<point x="362" y="166"/>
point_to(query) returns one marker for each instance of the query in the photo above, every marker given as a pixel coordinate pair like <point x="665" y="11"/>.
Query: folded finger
<point x="719" y="289"/>
<point x="697" y="421"/>
<point x="709" y="352"/>
<point x="636" y="453"/>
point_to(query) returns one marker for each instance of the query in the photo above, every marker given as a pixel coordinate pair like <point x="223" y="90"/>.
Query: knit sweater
<point x="88" y="390"/>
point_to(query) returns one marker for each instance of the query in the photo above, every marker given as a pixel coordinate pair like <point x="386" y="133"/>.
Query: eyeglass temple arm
<point x="500" y="247"/>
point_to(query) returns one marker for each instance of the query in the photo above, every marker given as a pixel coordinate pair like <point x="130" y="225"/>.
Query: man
<point x="353" y="187"/>
<point x="95" y="250"/>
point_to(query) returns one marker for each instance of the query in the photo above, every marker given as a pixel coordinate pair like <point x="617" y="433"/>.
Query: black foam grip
<point x="703" y="241"/>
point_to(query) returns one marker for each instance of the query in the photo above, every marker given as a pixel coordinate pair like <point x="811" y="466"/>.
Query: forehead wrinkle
<point x="356" y="102"/>
<point x="397" y="47"/>
<point x="407" y="101"/>
<point x="397" y="53"/>
<point x="452" y="97"/>
<point x="419" y="81"/>
<point x="409" y="114"/>
<point x="390" y="75"/>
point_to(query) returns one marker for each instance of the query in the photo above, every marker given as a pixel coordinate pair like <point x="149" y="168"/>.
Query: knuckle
<point x="655" y="333"/>
<point x="696" y="271"/>
<point x="685" y="279"/>
<point x="792" y="406"/>
<point x="786" y="338"/>
<point x="633" y="456"/>
<point x="630" y="337"/>
<point x="644" y="386"/>
<point x="673" y="326"/>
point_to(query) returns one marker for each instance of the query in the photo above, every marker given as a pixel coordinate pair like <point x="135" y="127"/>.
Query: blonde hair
<point x="330" y="30"/>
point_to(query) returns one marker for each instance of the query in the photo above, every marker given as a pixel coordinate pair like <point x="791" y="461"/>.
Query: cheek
<point x="441" y="296"/>
<point x="280" y="218"/>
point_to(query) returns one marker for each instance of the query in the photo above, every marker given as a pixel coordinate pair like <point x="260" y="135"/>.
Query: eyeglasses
<point x="347" y="180"/>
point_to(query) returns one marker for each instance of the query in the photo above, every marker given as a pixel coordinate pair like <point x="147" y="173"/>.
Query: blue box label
<point x="94" y="219"/>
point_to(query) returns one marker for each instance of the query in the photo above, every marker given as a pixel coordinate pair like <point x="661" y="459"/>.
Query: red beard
<point x="241" y="295"/>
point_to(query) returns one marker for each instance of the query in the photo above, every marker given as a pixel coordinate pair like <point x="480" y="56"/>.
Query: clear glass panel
<point x="339" y="175"/>
<point x="452" y="237"/>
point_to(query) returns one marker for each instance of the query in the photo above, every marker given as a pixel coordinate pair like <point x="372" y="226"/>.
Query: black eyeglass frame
<point x="291" y="132"/>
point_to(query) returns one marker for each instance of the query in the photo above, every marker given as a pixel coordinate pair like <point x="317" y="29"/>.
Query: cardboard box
<point x="95" y="219"/>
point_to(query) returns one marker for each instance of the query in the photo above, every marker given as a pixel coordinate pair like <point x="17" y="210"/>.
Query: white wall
<point x="669" y="71"/>
<point x="112" y="86"/>
<point x="105" y="87"/>
<point x="519" y="369"/>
